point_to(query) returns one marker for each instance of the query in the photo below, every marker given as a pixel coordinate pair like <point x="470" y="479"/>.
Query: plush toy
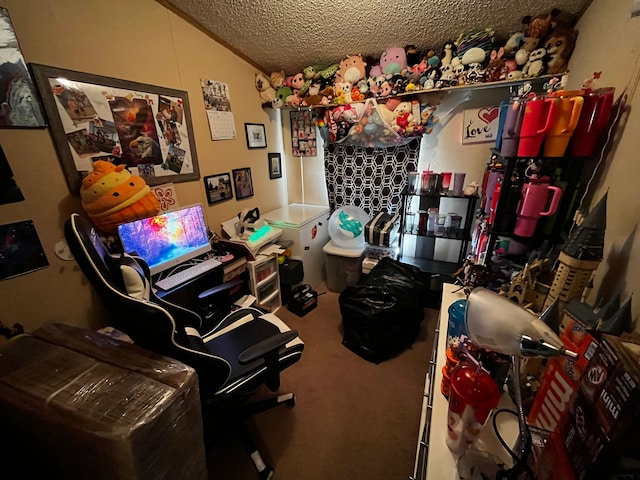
<point x="413" y="55"/>
<point x="559" y="48"/>
<point x="352" y="70"/>
<point x="277" y="79"/>
<point x="535" y="66"/>
<point x="112" y="196"/>
<point x="427" y="119"/>
<point x="266" y="91"/>
<point x="539" y="26"/>
<point x="494" y="71"/>
<point x="295" y="82"/>
<point x="402" y="118"/>
<point x="393" y="60"/>
<point x="448" y="54"/>
<point x="282" y="94"/>
<point x="459" y="73"/>
<point x="473" y="59"/>
<point x="514" y="43"/>
<point x="482" y="39"/>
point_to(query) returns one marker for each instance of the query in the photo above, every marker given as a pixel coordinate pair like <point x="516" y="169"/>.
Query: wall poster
<point x="303" y="134"/>
<point x="480" y="125"/>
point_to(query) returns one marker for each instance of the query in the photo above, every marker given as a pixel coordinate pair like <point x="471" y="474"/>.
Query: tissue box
<point x="88" y="406"/>
<point x="382" y="230"/>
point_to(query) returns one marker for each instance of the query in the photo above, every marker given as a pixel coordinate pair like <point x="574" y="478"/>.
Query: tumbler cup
<point x="539" y="114"/>
<point x="473" y="396"/>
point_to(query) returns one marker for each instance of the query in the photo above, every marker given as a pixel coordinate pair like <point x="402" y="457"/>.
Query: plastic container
<point x="343" y="265"/>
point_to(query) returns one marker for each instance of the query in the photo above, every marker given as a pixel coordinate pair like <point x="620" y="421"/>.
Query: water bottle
<point x="456" y="327"/>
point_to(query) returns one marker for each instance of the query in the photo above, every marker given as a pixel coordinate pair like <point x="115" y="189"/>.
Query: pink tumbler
<point x="539" y="115"/>
<point x="533" y="205"/>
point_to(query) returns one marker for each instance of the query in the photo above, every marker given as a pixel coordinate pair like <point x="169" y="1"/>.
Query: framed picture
<point x="20" y="102"/>
<point x="256" y="135"/>
<point x="275" y="166"/>
<point x="242" y="182"/>
<point x="218" y="188"/>
<point x="145" y="127"/>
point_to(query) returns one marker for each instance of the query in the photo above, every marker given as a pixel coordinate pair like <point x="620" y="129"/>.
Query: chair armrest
<point x="271" y="344"/>
<point x="221" y="288"/>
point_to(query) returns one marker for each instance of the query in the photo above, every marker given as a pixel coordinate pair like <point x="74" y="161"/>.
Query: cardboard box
<point x="600" y="432"/>
<point x="382" y="229"/>
<point x="561" y="378"/>
<point x="94" y="407"/>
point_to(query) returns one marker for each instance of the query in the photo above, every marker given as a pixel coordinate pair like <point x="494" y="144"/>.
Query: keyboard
<point x="187" y="274"/>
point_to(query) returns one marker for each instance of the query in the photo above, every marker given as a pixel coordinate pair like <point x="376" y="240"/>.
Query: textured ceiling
<point x="292" y="34"/>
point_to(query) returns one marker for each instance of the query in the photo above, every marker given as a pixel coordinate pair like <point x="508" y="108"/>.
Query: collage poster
<point x="146" y="132"/>
<point x="303" y="134"/>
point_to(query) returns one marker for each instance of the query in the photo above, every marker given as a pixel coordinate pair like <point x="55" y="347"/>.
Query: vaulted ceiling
<point x="292" y="34"/>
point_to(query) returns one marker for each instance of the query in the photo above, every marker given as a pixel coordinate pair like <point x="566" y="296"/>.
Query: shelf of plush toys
<point x="388" y="92"/>
<point x="379" y="122"/>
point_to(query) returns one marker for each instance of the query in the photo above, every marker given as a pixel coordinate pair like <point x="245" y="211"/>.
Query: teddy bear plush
<point x="266" y="91"/>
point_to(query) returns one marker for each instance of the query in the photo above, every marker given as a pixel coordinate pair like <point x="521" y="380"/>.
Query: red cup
<point x="445" y="179"/>
<point x="593" y="119"/>
<point x="472" y="398"/>
<point x="539" y="115"/>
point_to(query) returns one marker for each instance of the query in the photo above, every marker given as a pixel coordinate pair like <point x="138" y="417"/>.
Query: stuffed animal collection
<point x="543" y="46"/>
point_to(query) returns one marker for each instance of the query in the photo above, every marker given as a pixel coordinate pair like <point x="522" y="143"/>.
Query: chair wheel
<point x="267" y="473"/>
<point x="291" y="402"/>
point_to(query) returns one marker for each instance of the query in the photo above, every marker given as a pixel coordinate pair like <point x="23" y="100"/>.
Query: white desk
<point x="434" y="460"/>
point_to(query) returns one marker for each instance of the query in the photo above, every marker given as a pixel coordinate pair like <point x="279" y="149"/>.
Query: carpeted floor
<point x="353" y="419"/>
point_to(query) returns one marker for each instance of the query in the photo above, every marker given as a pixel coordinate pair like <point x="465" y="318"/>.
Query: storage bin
<point x="343" y="265"/>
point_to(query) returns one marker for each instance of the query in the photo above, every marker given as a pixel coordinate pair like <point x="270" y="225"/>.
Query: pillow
<point x="133" y="278"/>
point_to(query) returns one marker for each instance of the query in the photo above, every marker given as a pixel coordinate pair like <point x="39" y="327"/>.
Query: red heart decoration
<point x="488" y="115"/>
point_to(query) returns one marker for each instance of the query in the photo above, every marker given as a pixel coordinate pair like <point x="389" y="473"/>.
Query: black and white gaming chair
<point x="246" y="349"/>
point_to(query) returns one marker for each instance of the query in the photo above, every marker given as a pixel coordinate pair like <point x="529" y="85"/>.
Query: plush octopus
<point x="112" y="196"/>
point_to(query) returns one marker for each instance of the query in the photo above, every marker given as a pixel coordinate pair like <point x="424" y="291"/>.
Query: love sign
<point x="480" y="125"/>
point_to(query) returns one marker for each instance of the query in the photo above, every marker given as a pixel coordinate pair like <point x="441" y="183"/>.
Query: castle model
<point x="580" y="256"/>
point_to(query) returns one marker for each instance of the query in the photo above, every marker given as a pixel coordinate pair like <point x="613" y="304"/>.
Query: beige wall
<point x="609" y="41"/>
<point x="134" y="40"/>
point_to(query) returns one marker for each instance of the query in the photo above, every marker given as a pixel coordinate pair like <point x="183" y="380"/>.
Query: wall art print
<point x="480" y="125"/>
<point x="145" y="127"/>
<point x="19" y="102"/>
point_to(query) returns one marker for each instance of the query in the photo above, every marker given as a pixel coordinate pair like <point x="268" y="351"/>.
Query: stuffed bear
<point x="266" y="91"/>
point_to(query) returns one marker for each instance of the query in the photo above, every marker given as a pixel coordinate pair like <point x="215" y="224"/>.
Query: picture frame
<point x="275" y="166"/>
<point x="92" y="117"/>
<point x="21" y="106"/>
<point x="256" y="135"/>
<point x="242" y="182"/>
<point x="218" y="188"/>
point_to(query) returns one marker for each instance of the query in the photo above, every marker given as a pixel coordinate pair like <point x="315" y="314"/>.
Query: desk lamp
<point x="496" y="323"/>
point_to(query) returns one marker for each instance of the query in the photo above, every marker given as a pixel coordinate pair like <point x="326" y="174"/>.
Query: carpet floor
<point x="353" y="419"/>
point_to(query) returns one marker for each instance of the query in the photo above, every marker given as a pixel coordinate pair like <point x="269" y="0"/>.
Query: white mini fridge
<point x="307" y="226"/>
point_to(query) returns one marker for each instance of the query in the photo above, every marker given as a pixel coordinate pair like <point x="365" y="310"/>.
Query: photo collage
<point x="303" y="134"/>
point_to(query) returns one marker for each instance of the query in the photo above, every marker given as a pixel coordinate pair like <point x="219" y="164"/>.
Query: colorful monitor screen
<point x="168" y="239"/>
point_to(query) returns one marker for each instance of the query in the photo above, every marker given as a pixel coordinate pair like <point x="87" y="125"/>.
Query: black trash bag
<point x="381" y="315"/>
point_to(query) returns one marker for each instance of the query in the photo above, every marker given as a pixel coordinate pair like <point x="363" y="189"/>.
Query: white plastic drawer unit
<point x="265" y="282"/>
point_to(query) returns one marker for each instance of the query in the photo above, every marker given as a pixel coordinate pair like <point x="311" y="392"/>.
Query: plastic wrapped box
<point x="89" y="406"/>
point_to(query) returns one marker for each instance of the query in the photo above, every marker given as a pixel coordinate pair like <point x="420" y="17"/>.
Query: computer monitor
<point x="167" y="239"/>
